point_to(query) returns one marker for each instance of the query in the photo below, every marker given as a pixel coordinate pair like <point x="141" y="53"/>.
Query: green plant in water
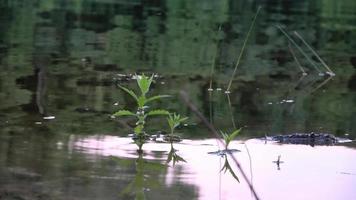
<point x="141" y="113"/>
<point x="227" y="139"/>
<point x="174" y="120"/>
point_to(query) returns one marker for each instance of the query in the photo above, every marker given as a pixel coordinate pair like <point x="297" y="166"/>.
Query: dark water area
<point x="61" y="61"/>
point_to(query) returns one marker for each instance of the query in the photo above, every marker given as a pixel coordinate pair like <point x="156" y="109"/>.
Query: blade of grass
<point x="299" y="48"/>
<point x="314" y="52"/>
<point x="214" y="60"/>
<point x="243" y="49"/>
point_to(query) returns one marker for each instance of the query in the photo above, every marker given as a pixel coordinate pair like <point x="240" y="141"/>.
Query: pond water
<point x="61" y="61"/>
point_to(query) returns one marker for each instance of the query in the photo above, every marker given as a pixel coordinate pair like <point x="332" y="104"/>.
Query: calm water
<point x="60" y="62"/>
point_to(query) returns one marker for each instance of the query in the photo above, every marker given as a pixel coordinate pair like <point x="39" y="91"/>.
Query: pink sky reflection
<point x="323" y="172"/>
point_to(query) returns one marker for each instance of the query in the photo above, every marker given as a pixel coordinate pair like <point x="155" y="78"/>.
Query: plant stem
<point x="243" y="48"/>
<point x="214" y="60"/>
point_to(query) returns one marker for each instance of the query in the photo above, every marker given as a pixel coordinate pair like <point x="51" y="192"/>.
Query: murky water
<point x="60" y="62"/>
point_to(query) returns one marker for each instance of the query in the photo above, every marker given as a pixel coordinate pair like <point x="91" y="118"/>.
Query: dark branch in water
<point x="193" y="108"/>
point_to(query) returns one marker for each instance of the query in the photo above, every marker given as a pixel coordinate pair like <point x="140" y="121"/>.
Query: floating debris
<point x="218" y="89"/>
<point x="49" y="117"/>
<point x="227" y="92"/>
<point x="330" y="73"/>
<point x="38" y="123"/>
<point x="116" y="103"/>
<point x="269" y="103"/>
<point x="210" y="89"/>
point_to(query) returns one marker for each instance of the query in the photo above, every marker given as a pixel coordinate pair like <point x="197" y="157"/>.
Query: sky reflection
<point x="322" y="172"/>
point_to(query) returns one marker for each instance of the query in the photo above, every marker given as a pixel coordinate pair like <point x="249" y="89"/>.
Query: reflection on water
<point x="326" y="172"/>
<point x="62" y="59"/>
<point x="60" y="62"/>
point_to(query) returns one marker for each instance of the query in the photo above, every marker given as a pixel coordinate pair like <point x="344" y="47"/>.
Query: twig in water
<point x="243" y="49"/>
<point x="331" y="73"/>
<point x="193" y="108"/>
<point x="321" y="84"/>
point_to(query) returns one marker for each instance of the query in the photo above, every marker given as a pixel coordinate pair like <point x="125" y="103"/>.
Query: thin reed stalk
<point x="299" y="48"/>
<point x="214" y="60"/>
<point x="242" y="49"/>
<point x="296" y="60"/>
<point x="230" y="109"/>
<point x="315" y="54"/>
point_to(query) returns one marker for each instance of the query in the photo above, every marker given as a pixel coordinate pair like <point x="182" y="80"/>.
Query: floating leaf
<point x="124" y="113"/>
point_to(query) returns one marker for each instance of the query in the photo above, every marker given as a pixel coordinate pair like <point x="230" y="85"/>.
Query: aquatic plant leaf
<point x="124" y="113"/>
<point x="172" y="156"/>
<point x="228" y="167"/>
<point x="177" y="159"/>
<point x="158" y="112"/>
<point x="225" y="137"/>
<point x="144" y="83"/>
<point x="183" y="119"/>
<point x="174" y="120"/>
<point x="130" y="92"/>
<point x="156" y="98"/>
<point x="234" y="134"/>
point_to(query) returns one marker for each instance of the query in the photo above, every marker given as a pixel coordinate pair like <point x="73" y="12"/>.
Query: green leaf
<point x="124" y="113"/>
<point x="234" y="134"/>
<point x="156" y="98"/>
<point x="130" y="92"/>
<point x="228" y="167"/>
<point x="183" y="119"/>
<point x="144" y="83"/>
<point x="158" y="112"/>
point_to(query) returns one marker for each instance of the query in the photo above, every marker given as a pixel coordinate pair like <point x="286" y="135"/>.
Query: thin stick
<point x="193" y="108"/>
<point x="321" y="84"/>
<point x="299" y="48"/>
<point x="214" y="60"/>
<point x="314" y="52"/>
<point x="296" y="59"/>
<point x="243" y="48"/>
